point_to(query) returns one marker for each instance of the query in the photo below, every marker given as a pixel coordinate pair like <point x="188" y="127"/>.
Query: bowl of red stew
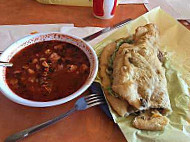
<point x="48" y="69"/>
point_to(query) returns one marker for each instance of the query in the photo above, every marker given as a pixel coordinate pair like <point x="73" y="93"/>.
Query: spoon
<point x="6" y="64"/>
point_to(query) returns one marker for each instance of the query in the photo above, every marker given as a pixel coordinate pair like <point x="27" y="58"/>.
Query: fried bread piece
<point x="154" y="121"/>
<point x="119" y="105"/>
<point x="137" y="77"/>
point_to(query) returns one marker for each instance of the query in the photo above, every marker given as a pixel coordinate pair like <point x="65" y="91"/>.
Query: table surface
<point x="90" y="125"/>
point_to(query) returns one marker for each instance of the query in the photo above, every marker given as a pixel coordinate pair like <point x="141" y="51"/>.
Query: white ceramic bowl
<point x="22" y="43"/>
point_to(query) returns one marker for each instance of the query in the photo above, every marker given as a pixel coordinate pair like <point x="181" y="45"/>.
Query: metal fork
<point x="81" y="104"/>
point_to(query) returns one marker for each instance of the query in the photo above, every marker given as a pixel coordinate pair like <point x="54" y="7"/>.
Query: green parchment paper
<point x="175" y="39"/>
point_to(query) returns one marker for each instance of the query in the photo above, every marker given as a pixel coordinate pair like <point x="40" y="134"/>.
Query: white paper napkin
<point x="11" y="33"/>
<point x="180" y="9"/>
<point x="85" y="31"/>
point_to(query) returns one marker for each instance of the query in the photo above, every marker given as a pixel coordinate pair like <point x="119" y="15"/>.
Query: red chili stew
<point x="48" y="71"/>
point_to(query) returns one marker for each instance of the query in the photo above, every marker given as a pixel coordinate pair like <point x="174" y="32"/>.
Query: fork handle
<point x="29" y="131"/>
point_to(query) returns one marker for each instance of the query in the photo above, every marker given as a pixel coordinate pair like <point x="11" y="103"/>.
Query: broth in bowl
<point x="47" y="71"/>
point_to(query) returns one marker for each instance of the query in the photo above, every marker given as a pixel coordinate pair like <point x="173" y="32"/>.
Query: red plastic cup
<point x="104" y="9"/>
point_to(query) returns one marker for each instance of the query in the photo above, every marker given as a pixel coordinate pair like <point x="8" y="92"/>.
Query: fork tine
<point x="97" y="103"/>
<point x="92" y="95"/>
<point x="94" y="101"/>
